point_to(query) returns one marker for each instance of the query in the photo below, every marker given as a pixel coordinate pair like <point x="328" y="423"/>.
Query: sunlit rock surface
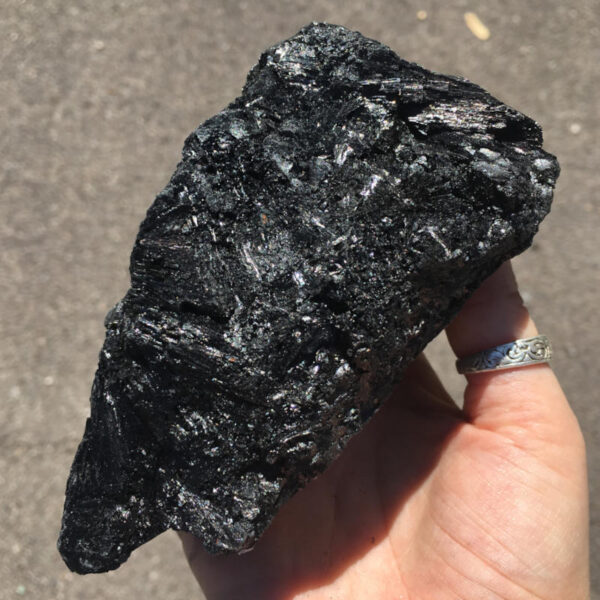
<point x="317" y="234"/>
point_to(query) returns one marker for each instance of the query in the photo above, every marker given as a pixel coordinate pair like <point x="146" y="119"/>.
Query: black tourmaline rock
<point x="317" y="234"/>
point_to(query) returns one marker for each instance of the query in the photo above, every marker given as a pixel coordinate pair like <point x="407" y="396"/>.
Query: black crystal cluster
<point x="315" y="236"/>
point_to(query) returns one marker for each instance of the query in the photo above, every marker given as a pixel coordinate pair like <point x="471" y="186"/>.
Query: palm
<point x="418" y="506"/>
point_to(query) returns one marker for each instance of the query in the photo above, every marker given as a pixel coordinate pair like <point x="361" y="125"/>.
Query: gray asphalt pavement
<point x="96" y="98"/>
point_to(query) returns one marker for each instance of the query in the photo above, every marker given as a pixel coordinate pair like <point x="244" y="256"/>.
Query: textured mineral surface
<point x="316" y="235"/>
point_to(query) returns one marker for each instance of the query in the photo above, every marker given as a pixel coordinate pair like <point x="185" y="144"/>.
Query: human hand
<point x="430" y="502"/>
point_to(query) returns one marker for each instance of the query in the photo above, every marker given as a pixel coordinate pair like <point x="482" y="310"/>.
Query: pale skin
<point x="430" y="502"/>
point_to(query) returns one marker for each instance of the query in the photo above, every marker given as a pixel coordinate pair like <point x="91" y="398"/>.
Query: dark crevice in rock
<point x="331" y="299"/>
<point x="204" y="310"/>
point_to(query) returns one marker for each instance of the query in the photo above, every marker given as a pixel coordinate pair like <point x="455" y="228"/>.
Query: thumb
<point x="526" y="403"/>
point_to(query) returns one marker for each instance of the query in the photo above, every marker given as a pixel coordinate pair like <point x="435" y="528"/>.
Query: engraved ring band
<point x="520" y="353"/>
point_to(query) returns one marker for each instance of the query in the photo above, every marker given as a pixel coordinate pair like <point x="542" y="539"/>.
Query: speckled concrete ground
<point x="96" y="98"/>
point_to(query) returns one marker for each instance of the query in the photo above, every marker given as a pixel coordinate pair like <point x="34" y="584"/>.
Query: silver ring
<point x="520" y="353"/>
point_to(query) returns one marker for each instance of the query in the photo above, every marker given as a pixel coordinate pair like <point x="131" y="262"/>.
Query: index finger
<point x="523" y="397"/>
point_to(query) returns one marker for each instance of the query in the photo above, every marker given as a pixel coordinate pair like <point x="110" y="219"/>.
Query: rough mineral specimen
<point x="316" y="235"/>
